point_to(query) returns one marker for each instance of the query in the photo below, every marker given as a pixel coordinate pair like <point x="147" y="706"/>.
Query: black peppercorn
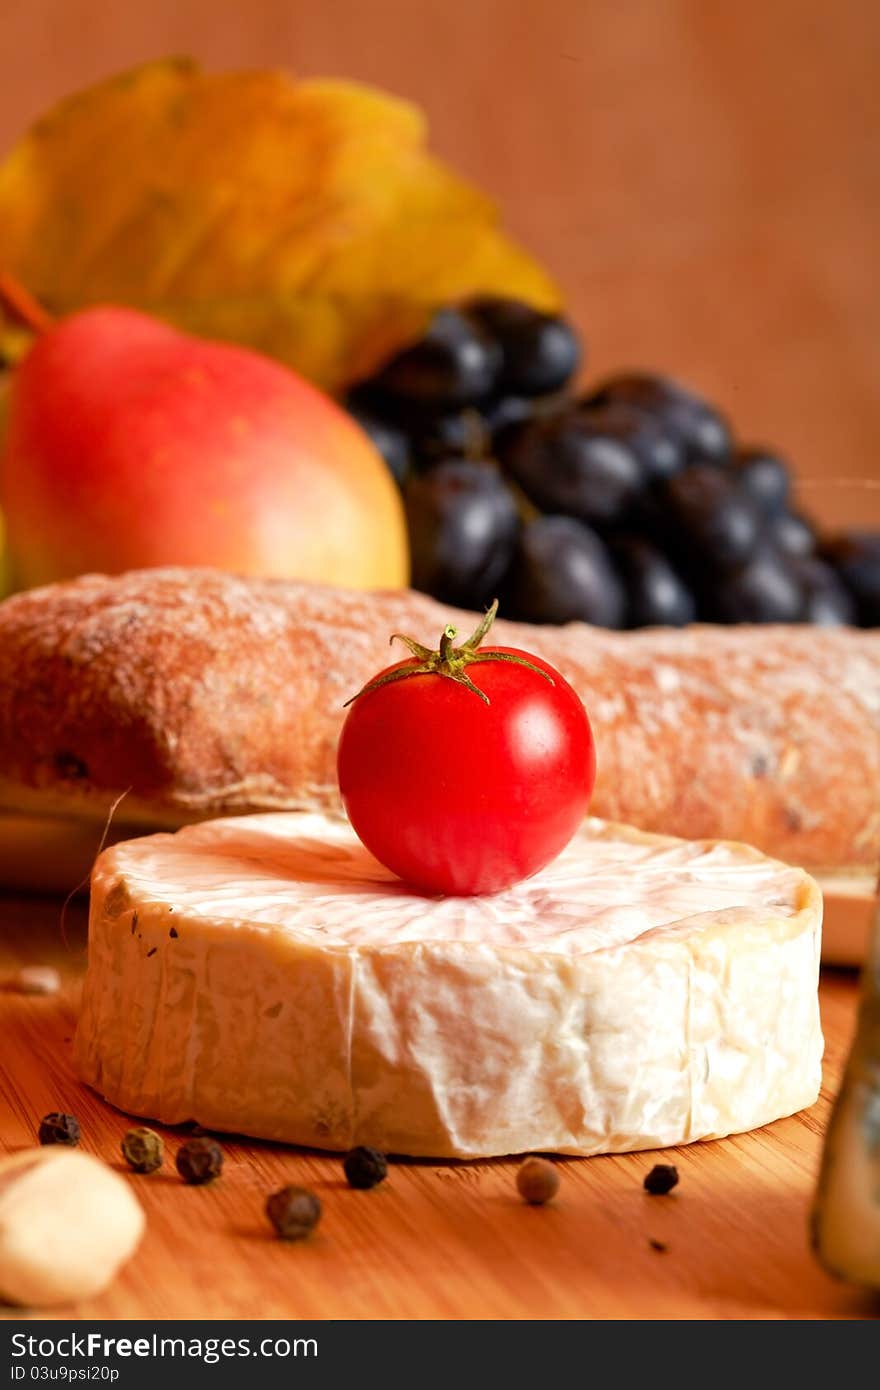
<point x="294" y="1212"/>
<point x="662" y="1178"/>
<point x="537" y="1181"/>
<point x="365" y="1167"/>
<point x="59" y="1129"/>
<point x="143" y="1150"/>
<point x="199" y="1160"/>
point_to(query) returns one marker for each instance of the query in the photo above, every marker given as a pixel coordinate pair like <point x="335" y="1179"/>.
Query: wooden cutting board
<point x="436" y="1240"/>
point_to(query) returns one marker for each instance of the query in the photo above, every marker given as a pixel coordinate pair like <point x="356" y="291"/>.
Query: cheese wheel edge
<point x="453" y="1048"/>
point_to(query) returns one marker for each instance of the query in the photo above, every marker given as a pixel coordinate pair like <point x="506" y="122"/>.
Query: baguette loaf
<point x="197" y="693"/>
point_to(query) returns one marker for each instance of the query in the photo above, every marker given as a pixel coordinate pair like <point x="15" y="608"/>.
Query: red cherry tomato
<point x="461" y="790"/>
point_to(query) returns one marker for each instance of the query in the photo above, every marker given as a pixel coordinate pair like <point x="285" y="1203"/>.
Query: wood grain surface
<point x="702" y="178"/>
<point x="437" y="1240"/>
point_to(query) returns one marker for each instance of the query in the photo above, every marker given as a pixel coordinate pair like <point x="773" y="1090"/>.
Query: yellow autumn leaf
<point x="306" y="219"/>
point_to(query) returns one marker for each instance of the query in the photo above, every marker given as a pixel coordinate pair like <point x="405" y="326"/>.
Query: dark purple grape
<point x="455" y="363"/>
<point x="568" y="466"/>
<point x="540" y="352"/>
<point x="463" y="526"/>
<point x="826" y="600"/>
<point x="659" y="450"/>
<point x="506" y="412"/>
<point x="656" y="595"/>
<point x="457" y="434"/>
<point x="715" y="524"/>
<point x="765" y="477"/>
<point x="792" y="535"/>
<point x="388" y="437"/>
<point x="762" y="591"/>
<point x="563" y="573"/>
<point x="856" y="558"/>
<point x="702" y="431"/>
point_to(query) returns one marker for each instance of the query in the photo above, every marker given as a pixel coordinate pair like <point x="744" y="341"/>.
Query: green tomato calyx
<point x="449" y="661"/>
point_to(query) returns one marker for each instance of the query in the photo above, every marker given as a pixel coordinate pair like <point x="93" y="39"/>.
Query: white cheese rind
<point x="306" y="996"/>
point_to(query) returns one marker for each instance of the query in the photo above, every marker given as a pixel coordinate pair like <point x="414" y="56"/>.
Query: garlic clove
<point x="67" y="1225"/>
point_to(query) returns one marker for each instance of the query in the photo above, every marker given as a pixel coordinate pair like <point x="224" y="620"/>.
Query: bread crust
<point x="198" y="693"/>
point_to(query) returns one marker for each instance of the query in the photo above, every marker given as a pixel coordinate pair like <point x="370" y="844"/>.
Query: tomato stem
<point x="447" y="637"/>
<point x="449" y="661"/>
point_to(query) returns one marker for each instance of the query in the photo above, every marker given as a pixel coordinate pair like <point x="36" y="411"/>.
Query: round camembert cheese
<point x="265" y="975"/>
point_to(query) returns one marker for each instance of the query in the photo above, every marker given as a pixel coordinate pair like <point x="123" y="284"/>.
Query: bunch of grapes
<point x="630" y="506"/>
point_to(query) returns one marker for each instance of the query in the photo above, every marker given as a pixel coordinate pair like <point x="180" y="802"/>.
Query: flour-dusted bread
<point x="197" y="693"/>
<point x="266" y="975"/>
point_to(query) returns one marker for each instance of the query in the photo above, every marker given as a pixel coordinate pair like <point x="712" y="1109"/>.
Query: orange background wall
<point x="703" y="176"/>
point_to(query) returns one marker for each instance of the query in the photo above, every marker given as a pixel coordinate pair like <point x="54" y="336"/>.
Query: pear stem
<point x="21" y="306"/>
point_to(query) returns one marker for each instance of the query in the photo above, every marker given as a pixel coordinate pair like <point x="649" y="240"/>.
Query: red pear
<point x="131" y="444"/>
